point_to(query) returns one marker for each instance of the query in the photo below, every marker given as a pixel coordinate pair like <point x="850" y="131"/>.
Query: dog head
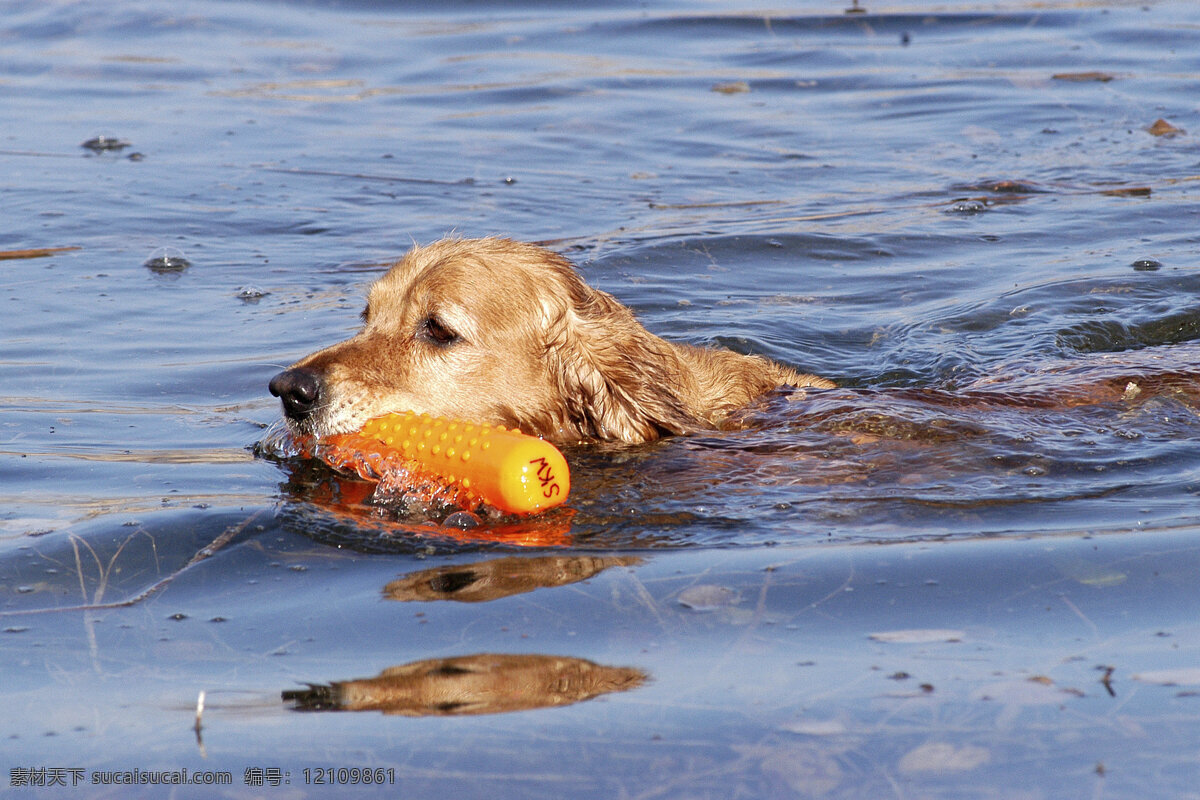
<point x="499" y="332"/>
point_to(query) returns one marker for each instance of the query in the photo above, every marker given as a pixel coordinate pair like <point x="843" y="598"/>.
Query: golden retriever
<point x="497" y="331"/>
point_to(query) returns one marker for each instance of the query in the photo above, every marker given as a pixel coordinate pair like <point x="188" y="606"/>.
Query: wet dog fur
<point x="501" y="332"/>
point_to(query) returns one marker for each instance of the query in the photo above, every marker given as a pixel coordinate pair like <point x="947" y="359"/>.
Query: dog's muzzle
<point x="299" y="390"/>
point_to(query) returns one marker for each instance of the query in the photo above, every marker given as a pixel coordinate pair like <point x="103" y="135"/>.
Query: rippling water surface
<point x="971" y="561"/>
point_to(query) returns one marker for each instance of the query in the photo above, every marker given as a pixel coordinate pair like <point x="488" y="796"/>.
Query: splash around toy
<point x="504" y="468"/>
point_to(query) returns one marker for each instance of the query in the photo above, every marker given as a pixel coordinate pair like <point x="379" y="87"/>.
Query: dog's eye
<point x="433" y="330"/>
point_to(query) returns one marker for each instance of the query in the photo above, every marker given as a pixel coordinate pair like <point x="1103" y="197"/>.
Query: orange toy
<point x="504" y="468"/>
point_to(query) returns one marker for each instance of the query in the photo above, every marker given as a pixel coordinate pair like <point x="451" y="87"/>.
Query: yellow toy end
<point x="509" y="470"/>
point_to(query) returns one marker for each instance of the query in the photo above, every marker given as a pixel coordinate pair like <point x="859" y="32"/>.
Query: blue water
<point x="956" y="211"/>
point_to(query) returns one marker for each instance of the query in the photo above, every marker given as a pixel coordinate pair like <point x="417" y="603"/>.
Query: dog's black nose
<point x="299" y="389"/>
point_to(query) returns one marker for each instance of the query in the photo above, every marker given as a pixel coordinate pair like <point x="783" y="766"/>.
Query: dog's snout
<point x="298" y="389"/>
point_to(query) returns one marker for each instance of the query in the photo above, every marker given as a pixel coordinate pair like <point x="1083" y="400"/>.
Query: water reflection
<point x="499" y="577"/>
<point x="486" y="683"/>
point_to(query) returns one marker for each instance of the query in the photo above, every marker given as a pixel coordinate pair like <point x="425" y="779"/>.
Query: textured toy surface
<point x="504" y="468"/>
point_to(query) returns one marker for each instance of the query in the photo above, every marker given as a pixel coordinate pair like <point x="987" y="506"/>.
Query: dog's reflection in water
<point x="485" y="683"/>
<point x="499" y="577"/>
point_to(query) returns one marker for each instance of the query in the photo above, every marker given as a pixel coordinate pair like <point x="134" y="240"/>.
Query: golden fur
<point x="501" y="332"/>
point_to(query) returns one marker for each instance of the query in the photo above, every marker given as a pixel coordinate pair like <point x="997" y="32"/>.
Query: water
<point x="983" y="255"/>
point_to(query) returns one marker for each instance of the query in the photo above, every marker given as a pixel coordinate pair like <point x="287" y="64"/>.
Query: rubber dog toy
<point x="504" y="468"/>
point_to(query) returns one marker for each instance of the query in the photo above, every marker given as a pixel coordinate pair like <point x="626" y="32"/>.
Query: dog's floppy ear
<point x="617" y="381"/>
